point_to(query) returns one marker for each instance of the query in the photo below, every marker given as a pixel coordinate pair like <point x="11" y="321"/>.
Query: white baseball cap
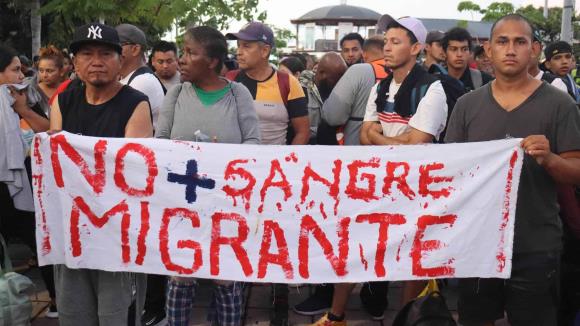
<point x="415" y="26"/>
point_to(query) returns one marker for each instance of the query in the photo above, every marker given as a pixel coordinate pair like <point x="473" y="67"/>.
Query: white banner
<point x="285" y="214"/>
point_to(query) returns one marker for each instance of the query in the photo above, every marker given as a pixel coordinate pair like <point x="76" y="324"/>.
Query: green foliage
<point x="215" y="13"/>
<point x="462" y="23"/>
<point x="155" y="17"/>
<point x="550" y="28"/>
<point x="497" y="10"/>
<point x="469" y="7"/>
<point x="281" y="36"/>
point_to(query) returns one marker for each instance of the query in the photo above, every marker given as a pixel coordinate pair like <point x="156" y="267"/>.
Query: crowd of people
<point x="405" y="85"/>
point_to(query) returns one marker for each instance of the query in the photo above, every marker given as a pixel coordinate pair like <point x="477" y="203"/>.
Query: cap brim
<point x="383" y="22"/>
<point x="75" y="46"/>
<point x="241" y="36"/>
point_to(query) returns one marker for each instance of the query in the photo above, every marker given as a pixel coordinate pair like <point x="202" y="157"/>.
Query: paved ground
<point x="258" y="301"/>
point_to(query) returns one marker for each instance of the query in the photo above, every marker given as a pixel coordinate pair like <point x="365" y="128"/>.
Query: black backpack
<point x="429" y="309"/>
<point x="453" y="88"/>
<point x="146" y="70"/>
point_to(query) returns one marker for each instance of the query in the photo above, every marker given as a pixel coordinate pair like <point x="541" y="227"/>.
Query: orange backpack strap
<point x="232" y="74"/>
<point x="284" y="86"/>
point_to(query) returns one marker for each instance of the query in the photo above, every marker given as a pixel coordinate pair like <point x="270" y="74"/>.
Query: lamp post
<point x="566" y="32"/>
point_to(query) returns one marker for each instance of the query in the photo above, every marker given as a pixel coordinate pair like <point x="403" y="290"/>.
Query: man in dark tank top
<point x="100" y="107"/>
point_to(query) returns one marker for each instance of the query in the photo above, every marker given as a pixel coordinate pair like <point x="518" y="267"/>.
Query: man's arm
<point x="55" y="116"/>
<point x="410" y="137"/>
<point x="564" y="168"/>
<point x="301" y="127"/>
<point x="371" y="118"/>
<point x="35" y="121"/>
<point x="339" y="106"/>
<point x="364" y="131"/>
<point x="297" y="107"/>
<point x="426" y="123"/>
<point x="140" y="125"/>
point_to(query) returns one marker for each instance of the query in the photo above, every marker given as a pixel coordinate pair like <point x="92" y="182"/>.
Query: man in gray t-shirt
<point x="517" y="105"/>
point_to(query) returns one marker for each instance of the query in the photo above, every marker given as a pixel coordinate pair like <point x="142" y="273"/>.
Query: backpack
<point x="283" y="82"/>
<point x="428" y="309"/>
<point x="476" y="78"/>
<point x="548" y="77"/>
<point x="453" y="88"/>
<point x="329" y="135"/>
<point x="15" y="291"/>
<point x="146" y="70"/>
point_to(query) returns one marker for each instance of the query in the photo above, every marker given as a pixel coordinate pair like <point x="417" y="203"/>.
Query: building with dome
<point x="321" y="29"/>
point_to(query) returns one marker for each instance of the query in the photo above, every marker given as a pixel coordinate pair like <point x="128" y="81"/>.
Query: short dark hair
<point x="213" y="42"/>
<point x="456" y="34"/>
<point x="478" y="50"/>
<point x="352" y="37"/>
<point x="164" y="46"/>
<point x="6" y="56"/>
<point x="514" y="17"/>
<point x="377" y="43"/>
<point x="300" y="57"/>
<point x="410" y="34"/>
<point x="293" y="64"/>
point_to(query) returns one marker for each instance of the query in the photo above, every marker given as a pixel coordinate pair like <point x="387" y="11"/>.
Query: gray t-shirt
<point x="231" y="120"/>
<point x="478" y="117"/>
<point x="348" y="101"/>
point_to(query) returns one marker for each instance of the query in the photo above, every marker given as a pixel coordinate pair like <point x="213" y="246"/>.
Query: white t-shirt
<point x="149" y="85"/>
<point x="431" y="115"/>
<point x="557" y="82"/>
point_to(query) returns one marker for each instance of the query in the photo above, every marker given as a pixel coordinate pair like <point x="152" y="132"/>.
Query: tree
<point x="497" y="10"/>
<point x="215" y="13"/>
<point x="35" y="25"/>
<point x="549" y="29"/>
<point x="282" y="36"/>
<point x="155" y="17"/>
<point x="469" y="7"/>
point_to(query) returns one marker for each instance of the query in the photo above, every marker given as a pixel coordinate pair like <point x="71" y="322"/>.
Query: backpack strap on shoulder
<point x="232" y="75"/>
<point x="146" y="70"/>
<point x="476" y="78"/>
<point x="284" y="86"/>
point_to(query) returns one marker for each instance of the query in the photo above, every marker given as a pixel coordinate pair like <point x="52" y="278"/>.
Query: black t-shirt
<point x="478" y="117"/>
<point x="104" y="120"/>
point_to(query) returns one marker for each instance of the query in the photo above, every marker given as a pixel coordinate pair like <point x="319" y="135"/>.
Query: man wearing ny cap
<point x="433" y="50"/>
<point x="134" y="71"/>
<point x="391" y="119"/>
<point x="559" y="60"/>
<point x="100" y="107"/>
<point x="278" y="97"/>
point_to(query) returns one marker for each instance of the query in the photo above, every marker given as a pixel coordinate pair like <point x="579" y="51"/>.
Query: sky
<point x="281" y="11"/>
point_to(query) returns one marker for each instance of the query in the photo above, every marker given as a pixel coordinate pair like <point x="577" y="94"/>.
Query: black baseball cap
<point x="254" y="31"/>
<point x="95" y="33"/>
<point x="131" y="34"/>
<point x="557" y="48"/>
<point x="434" y="36"/>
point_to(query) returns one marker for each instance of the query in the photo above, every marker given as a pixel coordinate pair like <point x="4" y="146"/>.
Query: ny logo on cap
<point x="95" y="31"/>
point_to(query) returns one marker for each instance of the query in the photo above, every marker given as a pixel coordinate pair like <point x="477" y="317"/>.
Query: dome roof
<point x="332" y="15"/>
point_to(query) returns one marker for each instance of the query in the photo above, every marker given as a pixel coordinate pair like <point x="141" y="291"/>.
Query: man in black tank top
<point x="101" y="107"/>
